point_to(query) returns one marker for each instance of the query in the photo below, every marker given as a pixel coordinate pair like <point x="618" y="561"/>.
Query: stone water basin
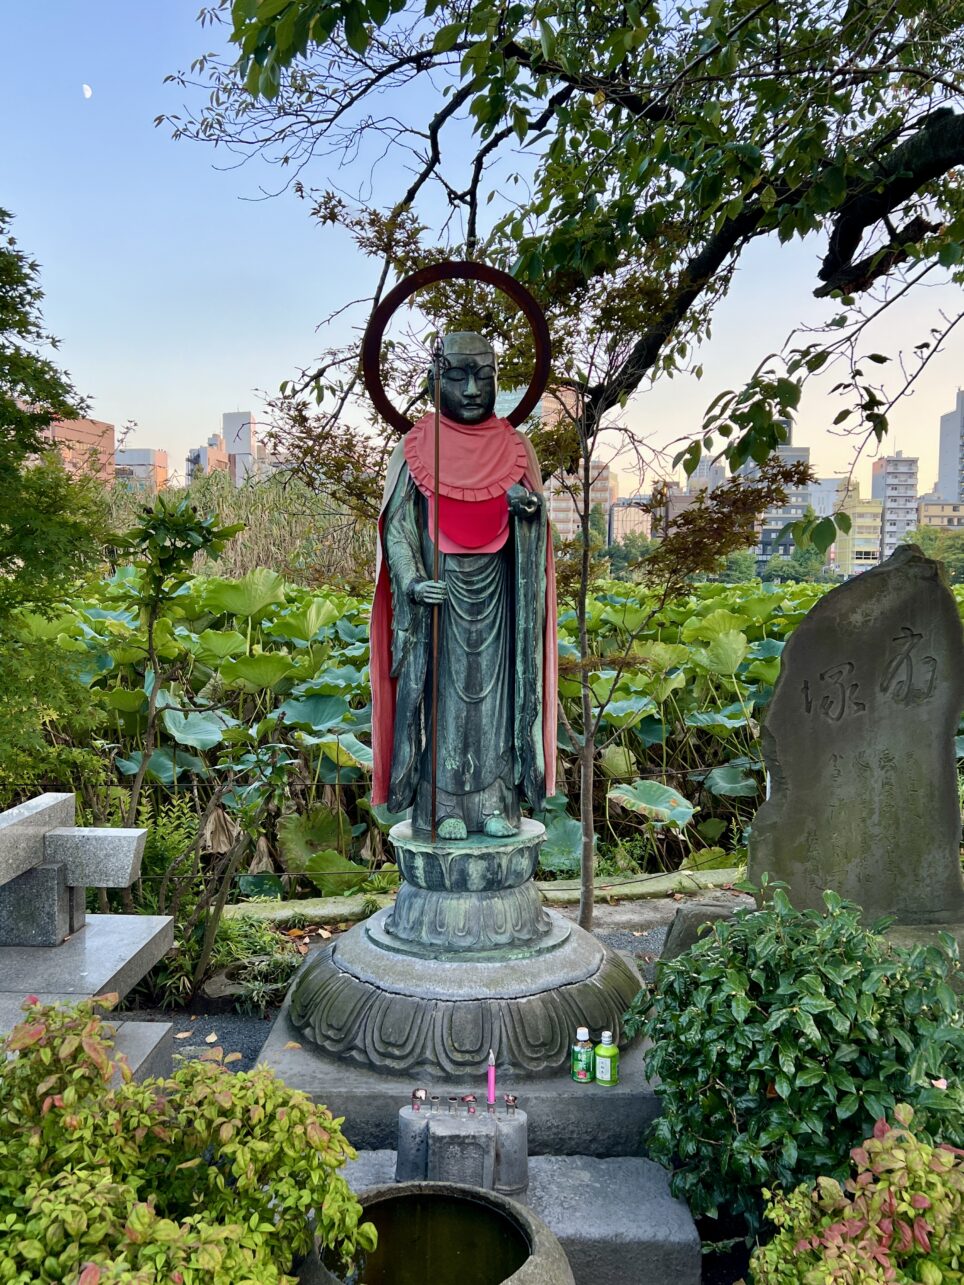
<point x="451" y="1235"/>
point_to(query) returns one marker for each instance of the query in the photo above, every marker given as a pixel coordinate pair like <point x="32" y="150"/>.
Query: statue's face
<point x="468" y="378"/>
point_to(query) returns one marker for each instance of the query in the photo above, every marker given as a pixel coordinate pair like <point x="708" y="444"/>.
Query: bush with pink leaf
<point x="900" y="1218"/>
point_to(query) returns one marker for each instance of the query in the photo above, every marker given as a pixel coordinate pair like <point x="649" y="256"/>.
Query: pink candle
<point x="490" y="1095"/>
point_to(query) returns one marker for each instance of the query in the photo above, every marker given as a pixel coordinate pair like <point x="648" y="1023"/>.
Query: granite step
<point x="148" y="1047"/>
<point x="110" y="953"/>
<point x="615" y="1218"/>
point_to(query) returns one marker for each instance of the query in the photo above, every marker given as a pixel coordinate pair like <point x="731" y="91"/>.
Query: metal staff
<point x="437" y="352"/>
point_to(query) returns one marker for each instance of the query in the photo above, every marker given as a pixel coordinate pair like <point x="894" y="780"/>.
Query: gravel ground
<point x="234" y="1032"/>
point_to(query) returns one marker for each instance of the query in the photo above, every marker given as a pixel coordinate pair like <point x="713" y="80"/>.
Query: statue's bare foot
<point x="452" y="828"/>
<point x="497" y="827"/>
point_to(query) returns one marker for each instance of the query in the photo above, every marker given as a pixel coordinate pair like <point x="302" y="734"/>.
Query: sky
<point x="178" y="293"/>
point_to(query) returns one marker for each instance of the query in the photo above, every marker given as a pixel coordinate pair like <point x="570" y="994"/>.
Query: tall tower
<point x="950" y="467"/>
<point x="894" y="481"/>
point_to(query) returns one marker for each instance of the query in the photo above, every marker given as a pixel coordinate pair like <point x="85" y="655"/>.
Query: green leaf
<point x="562" y="851"/>
<point x="731" y="782"/>
<point x="257" y="672"/>
<point x="262" y="885"/>
<point x="317" y="712"/>
<point x="823" y="534"/>
<point x="301" y="834"/>
<point x="218" y="644"/>
<point x="201" y="731"/>
<point x="447" y="38"/>
<point x="617" y="761"/>
<point x="334" y="875"/>
<point x="163" y="765"/>
<point x="724" y="655"/>
<point x="301" y="624"/>
<point x="247" y="597"/>
<point x="653" y="799"/>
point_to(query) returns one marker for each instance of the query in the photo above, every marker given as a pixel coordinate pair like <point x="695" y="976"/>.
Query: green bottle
<point x="581" y="1061"/>
<point x="607" y="1060"/>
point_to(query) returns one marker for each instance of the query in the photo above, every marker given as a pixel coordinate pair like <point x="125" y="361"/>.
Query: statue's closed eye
<point x="458" y="375"/>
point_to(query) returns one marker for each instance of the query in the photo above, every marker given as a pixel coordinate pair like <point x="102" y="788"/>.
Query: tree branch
<point x="938" y="146"/>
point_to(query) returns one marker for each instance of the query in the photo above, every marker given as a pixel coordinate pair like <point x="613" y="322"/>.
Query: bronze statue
<point x="496" y="594"/>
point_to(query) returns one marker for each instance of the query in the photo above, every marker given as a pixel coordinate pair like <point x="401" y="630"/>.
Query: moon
<point x="86" y="91"/>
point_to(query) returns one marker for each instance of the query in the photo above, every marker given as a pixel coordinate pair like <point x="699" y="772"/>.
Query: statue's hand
<point x="523" y="503"/>
<point x="428" y="591"/>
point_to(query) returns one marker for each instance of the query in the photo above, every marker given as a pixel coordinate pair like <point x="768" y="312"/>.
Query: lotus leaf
<point x="661" y="655"/>
<point x="562" y="851"/>
<point x="706" y="628"/>
<point x="629" y="616"/>
<point x="247" y="597"/>
<point x="126" y="700"/>
<point x="301" y="834"/>
<point x="262" y="885"/>
<point x="255" y="673"/>
<point x="719" y="721"/>
<point x="724" y="655"/>
<point x="344" y="679"/>
<point x="732" y="781"/>
<point x="334" y="875"/>
<point x="163" y="765"/>
<point x="350" y="633"/>
<point x="344" y="750"/>
<point x="653" y="799"/>
<point x="618" y="762"/>
<point x="302" y="624"/>
<point x="624" y="713"/>
<point x="201" y="730"/>
<point x="219" y="644"/>
<point x="317" y="712"/>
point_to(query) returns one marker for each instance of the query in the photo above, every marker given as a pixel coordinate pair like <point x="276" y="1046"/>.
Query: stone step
<point x="616" y="1218"/>
<point x="110" y="953"/>
<point x="565" y="1118"/>
<point x="148" y="1047"/>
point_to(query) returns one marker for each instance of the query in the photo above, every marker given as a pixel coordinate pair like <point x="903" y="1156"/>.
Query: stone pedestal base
<point x="364" y="1002"/>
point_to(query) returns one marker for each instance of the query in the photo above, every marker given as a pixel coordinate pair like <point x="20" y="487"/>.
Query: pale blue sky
<point x="176" y="296"/>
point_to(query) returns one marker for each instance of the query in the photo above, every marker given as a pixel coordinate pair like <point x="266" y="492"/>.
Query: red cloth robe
<point x="477" y="465"/>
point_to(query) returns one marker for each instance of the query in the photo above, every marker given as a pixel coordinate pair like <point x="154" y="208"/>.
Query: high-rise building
<point x="564" y="494"/>
<point x="674" y="501"/>
<point x="950" y="465"/>
<point x="858" y="549"/>
<point x="797" y="502"/>
<point x="241" y="443"/>
<point x="210" y="458"/>
<point x="825" y="495"/>
<point x="85" y="446"/>
<point x="894" y="481"/>
<point x="141" y="469"/>
<point x="707" y="476"/>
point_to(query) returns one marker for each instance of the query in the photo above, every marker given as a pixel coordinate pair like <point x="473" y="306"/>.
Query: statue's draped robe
<point x="497" y="656"/>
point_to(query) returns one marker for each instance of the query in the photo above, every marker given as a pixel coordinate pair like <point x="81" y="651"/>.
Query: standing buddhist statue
<point x="496" y="591"/>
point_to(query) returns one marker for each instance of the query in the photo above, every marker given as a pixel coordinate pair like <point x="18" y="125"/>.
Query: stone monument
<point x="859" y="745"/>
<point x="464" y="718"/>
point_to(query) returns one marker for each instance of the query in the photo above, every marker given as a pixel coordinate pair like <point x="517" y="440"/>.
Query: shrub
<point x="205" y="1176"/>
<point x="899" y="1218"/>
<point x="781" y="1037"/>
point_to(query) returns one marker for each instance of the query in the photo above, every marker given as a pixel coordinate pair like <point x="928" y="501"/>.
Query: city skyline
<point x="177" y="287"/>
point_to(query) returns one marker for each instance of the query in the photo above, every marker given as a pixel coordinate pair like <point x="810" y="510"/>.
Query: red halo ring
<point x="455" y="270"/>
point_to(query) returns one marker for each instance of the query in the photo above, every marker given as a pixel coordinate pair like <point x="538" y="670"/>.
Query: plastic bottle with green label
<point x="606" y="1060"/>
<point x="581" y="1061"/>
